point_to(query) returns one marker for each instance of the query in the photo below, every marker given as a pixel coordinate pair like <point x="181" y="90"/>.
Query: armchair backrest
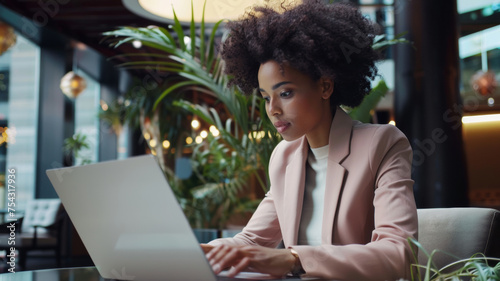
<point x="461" y="232"/>
<point x="40" y="212"/>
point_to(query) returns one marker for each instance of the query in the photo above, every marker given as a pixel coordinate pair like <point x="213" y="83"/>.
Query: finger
<point x="213" y="253"/>
<point x="206" y="248"/>
<point x="231" y="257"/>
<point x="217" y="254"/>
<point x="223" y="257"/>
<point x="239" y="267"/>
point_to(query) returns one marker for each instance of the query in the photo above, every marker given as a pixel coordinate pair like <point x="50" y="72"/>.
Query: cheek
<point x="267" y="110"/>
<point x="307" y="113"/>
<point x="303" y="107"/>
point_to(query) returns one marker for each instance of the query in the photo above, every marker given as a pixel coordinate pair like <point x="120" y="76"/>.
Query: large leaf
<point x="370" y="101"/>
<point x="381" y="42"/>
<point x="247" y="137"/>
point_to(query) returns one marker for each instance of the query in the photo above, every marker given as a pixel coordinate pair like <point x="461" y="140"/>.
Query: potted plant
<point x="136" y="109"/>
<point x="225" y="162"/>
<point x="73" y="147"/>
<point x="476" y="268"/>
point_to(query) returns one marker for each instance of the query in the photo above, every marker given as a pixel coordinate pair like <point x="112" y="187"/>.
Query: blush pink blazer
<point x="369" y="208"/>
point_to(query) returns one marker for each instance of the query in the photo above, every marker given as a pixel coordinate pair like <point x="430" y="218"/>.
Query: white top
<point x="314" y="193"/>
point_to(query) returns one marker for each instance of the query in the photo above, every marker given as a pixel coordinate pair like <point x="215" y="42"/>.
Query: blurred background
<point x="64" y="100"/>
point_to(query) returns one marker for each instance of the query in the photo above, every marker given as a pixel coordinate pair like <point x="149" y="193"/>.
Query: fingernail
<point x="231" y="272"/>
<point x="216" y="268"/>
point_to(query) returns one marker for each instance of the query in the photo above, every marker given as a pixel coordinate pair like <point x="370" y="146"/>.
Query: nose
<point x="274" y="107"/>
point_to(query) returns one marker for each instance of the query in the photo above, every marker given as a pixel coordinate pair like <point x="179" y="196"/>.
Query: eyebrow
<point x="276" y="86"/>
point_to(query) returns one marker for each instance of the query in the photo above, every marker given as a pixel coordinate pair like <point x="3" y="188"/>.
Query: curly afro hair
<point x="322" y="40"/>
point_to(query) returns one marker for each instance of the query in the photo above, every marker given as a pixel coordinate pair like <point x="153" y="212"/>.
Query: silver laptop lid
<point x="130" y="221"/>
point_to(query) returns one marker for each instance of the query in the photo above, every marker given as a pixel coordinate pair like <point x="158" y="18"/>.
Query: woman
<point x="341" y="197"/>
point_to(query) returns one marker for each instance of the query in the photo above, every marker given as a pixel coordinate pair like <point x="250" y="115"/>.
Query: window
<point x="19" y="113"/>
<point x="86" y="118"/>
<point x="479" y="53"/>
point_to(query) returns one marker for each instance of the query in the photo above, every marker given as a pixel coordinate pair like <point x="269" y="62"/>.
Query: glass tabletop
<point x="64" y="274"/>
<point x="84" y="274"/>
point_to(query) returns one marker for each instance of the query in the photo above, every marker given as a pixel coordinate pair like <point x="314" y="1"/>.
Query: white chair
<point x="40" y="229"/>
<point x="461" y="232"/>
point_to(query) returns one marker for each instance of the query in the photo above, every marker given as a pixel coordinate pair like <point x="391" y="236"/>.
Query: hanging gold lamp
<point x="72" y="84"/>
<point x="7" y="37"/>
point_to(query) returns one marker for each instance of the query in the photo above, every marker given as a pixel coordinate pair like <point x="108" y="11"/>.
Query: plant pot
<point x="205" y="235"/>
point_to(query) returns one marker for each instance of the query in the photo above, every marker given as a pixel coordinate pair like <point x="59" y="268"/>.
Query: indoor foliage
<point x="476" y="268"/>
<point x="224" y="164"/>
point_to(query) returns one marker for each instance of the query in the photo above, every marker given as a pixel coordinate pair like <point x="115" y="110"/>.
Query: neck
<point x="322" y="136"/>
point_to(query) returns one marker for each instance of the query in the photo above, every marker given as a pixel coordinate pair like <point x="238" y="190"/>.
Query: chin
<point x="290" y="138"/>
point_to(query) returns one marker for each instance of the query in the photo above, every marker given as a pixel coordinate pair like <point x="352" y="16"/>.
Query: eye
<point x="286" y="94"/>
<point x="266" y="99"/>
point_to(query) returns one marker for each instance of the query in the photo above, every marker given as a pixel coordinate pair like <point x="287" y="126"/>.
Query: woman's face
<point x="295" y="103"/>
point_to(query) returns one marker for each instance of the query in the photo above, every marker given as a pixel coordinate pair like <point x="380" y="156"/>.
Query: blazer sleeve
<point x="388" y="256"/>
<point x="262" y="229"/>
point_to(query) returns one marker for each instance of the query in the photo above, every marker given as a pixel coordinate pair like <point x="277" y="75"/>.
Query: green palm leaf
<point x="237" y="152"/>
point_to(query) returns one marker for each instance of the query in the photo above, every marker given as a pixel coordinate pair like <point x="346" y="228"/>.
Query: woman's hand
<point x="206" y="248"/>
<point x="276" y="262"/>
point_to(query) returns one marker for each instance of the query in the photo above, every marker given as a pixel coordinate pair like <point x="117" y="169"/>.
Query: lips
<point x="281" y="126"/>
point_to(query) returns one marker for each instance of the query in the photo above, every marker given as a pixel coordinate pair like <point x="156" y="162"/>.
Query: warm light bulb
<point x="75" y="83"/>
<point x="72" y="84"/>
<point x="198" y="140"/>
<point x="204" y="134"/>
<point x="392" y="122"/>
<point x="166" y="144"/>
<point x="137" y="44"/>
<point x="147" y="136"/>
<point x="152" y="143"/>
<point x="8" y="37"/>
<point x="189" y="140"/>
<point x="481" y="118"/>
<point x="214" y="11"/>
<point x="215" y="132"/>
<point x="195" y="124"/>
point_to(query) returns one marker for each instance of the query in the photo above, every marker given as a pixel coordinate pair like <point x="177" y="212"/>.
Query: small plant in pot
<point x="476" y="268"/>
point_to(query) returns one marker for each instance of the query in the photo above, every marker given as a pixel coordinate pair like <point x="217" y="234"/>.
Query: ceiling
<point x="81" y="20"/>
<point x="86" y="20"/>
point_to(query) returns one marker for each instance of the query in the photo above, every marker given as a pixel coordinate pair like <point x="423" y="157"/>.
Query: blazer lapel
<point x="294" y="193"/>
<point x="339" y="149"/>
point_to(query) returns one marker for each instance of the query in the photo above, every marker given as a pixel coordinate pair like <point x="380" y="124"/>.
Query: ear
<point x="326" y="87"/>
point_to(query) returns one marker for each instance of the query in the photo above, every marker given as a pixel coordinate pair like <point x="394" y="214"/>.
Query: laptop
<point x="130" y="221"/>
